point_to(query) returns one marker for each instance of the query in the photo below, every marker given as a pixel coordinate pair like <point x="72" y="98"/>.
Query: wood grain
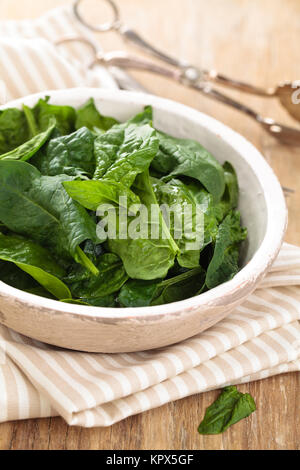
<point x="254" y="40"/>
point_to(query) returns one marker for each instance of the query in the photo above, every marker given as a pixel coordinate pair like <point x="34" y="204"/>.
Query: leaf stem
<point x="86" y="261"/>
<point x="181" y="277"/>
<point x="30" y="120"/>
<point x="151" y="199"/>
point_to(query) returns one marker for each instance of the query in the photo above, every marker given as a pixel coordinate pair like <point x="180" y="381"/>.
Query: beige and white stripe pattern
<point x="259" y="339"/>
<point x="30" y="62"/>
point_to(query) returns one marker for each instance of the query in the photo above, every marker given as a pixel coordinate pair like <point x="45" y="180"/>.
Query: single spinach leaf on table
<point x="229" y="408"/>
<point x="38" y="207"/>
<point x="188" y="158"/>
<point x="35" y="261"/>
<point x="88" y="116"/>
<point x="125" y="151"/>
<point x="110" y="279"/>
<point x="71" y="155"/>
<point x="137" y="293"/>
<point x="14" y="129"/>
<point x="224" y="264"/>
<point x="144" y="256"/>
<point x="90" y="194"/>
<point x="65" y="116"/>
<point x="30" y="147"/>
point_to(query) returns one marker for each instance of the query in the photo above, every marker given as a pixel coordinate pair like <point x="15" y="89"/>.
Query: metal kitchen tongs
<point x="187" y="74"/>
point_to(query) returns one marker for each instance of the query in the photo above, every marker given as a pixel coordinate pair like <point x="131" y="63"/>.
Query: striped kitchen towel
<point x="30" y="62"/>
<point x="259" y="339"/>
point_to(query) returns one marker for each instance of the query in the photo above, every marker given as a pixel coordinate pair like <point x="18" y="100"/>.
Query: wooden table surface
<point x="253" y="40"/>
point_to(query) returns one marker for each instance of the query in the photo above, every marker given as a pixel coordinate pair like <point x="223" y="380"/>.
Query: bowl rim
<point x="220" y="295"/>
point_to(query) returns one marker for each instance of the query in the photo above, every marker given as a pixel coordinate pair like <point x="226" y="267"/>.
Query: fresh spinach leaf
<point x="187" y="157"/>
<point x="224" y="263"/>
<point x="181" y="287"/>
<point x="108" y="301"/>
<point x="73" y="302"/>
<point x="71" y="155"/>
<point x="13" y="276"/>
<point x="229" y="408"/>
<point x="144" y="117"/>
<point x="155" y="255"/>
<point x="78" y="272"/>
<point x="13" y="129"/>
<point x="138" y="293"/>
<point x="35" y="261"/>
<point x="32" y="146"/>
<point x="65" y="116"/>
<point x="41" y="292"/>
<point x="186" y="218"/>
<point x="213" y="215"/>
<point x="110" y="279"/>
<point x="125" y="151"/>
<point x="232" y="187"/>
<point x="90" y="194"/>
<point x="38" y="207"/>
<point x="93" y="250"/>
<point x="30" y="118"/>
<point x="88" y="116"/>
<point x="231" y="194"/>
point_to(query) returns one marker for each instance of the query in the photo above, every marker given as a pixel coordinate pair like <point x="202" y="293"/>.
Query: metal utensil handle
<point x="133" y="37"/>
<point x="283" y="133"/>
<point x="126" y="61"/>
<point x="207" y="89"/>
<point x="192" y="71"/>
<point x="216" y="77"/>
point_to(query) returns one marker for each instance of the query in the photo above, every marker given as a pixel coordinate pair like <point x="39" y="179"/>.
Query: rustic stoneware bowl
<point x="110" y="330"/>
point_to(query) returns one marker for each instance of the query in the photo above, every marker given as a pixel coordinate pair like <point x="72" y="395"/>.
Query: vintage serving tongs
<point x="189" y="72"/>
<point x="284" y="134"/>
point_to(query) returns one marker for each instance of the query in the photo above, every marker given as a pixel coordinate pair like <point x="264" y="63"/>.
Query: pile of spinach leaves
<point x="58" y="164"/>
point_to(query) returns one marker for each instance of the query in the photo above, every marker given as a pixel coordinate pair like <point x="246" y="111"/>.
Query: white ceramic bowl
<point x="132" y="329"/>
